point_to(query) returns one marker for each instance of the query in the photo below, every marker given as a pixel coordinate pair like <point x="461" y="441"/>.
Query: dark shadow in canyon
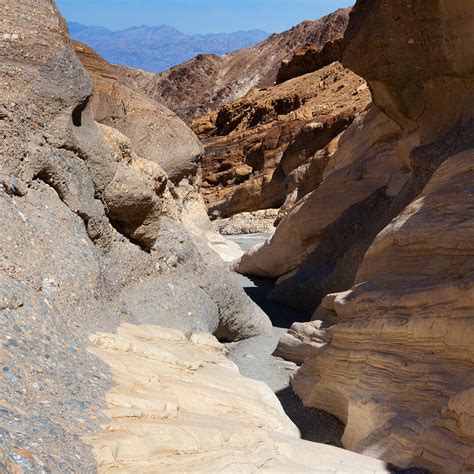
<point x="411" y="470"/>
<point x="315" y="425"/>
<point x="281" y="315"/>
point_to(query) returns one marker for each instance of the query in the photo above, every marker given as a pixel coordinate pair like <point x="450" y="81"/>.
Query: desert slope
<point x="208" y="81"/>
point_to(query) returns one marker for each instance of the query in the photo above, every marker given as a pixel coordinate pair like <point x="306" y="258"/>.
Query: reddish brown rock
<point x="207" y="82"/>
<point x="310" y="60"/>
<point x="260" y="146"/>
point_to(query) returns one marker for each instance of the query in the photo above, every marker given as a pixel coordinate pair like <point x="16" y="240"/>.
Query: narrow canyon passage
<point x="255" y="360"/>
<point x="138" y="336"/>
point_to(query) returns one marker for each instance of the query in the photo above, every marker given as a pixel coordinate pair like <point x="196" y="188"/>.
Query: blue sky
<point x="198" y="16"/>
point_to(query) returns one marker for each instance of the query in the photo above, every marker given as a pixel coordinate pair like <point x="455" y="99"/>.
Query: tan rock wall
<point x="401" y="357"/>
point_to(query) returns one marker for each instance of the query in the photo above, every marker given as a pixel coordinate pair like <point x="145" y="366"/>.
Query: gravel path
<point x="254" y="358"/>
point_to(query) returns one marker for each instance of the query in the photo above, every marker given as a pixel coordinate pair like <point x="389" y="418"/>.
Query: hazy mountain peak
<point x="157" y="48"/>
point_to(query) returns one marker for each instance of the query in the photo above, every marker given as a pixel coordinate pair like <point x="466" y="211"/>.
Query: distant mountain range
<point x="157" y="48"/>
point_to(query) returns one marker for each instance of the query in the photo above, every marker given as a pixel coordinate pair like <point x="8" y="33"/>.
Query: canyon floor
<point x="254" y="357"/>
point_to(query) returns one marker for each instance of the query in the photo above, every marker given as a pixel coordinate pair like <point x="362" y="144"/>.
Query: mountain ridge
<point x="206" y="82"/>
<point x="158" y="48"/>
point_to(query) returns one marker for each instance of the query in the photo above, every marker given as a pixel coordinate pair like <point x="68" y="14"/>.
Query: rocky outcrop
<point x="397" y="364"/>
<point x="81" y="248"/>
<point x="259" y="149"/>
<point x="207" y="82"/>
<point x="310" y="60"/>
<point x="181" y="406"/>
<point x="362" y="185"/>
<point x="155" y="132"/>
<point x="302" y="341"/>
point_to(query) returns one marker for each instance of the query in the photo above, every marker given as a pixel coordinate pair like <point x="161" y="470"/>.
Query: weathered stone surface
<point x="68" y="264"/>
<point x="208" y="81"/>
<point x="303" y="340"/>
<point x="362" y="173"/>
<point x="180" y="406"/>
<point x="400" y="368"/>
<point x="310" y="60"/>
<point x="259" y="151"/>
<point x="420" y="66"/>
<point x="155" y="132"/>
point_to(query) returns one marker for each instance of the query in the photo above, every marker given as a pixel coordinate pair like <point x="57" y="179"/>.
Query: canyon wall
<point x="94" y="233"/>
<point x="393" y="356"/>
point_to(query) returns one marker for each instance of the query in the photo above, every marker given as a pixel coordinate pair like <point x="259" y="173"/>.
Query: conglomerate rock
<point x="398" y="366"/>
<point x="71" y="262"/>
<point x="181" y="406"/>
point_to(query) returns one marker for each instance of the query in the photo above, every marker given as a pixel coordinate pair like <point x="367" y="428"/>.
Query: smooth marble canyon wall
<point x="94" y="233"/>
<point x="393" y="357"/>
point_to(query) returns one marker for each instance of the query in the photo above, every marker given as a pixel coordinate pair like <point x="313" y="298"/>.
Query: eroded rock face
<point x="181" y="406"/>
<point x="401" y="357"/>
<point x="208" y="81"/>
<point x="364" y="172"/>
<point x="155" y="132"/>
<point x="75" y="255"/>
<point x="398" y="368"/>
<point x="259" y="149"/>
<point x="420" y="69"/>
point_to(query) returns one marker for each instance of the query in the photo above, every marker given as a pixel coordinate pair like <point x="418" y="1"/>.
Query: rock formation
<point x="362" y="173"/>
<point x="209" y="81"/>
<point x="310" y="59"/>
<point x="155" y="132"/>
<point x="181" y="406"/>
<point x="93" y="234"/>
<point x="259" y="150"/>
<point x="395" y="360"/>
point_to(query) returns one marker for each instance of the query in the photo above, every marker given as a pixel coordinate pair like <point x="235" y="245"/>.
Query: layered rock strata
<point x="401" y="355"/>
<point x="181" y="406"/>
<point x="260" y="150"/>
<point x="397" y="365"/>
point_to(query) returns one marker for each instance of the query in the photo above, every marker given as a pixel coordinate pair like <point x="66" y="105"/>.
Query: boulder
<point x="302" y="340"/>
<point x="155" y="132"/>
<point x="364" y="174"/>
